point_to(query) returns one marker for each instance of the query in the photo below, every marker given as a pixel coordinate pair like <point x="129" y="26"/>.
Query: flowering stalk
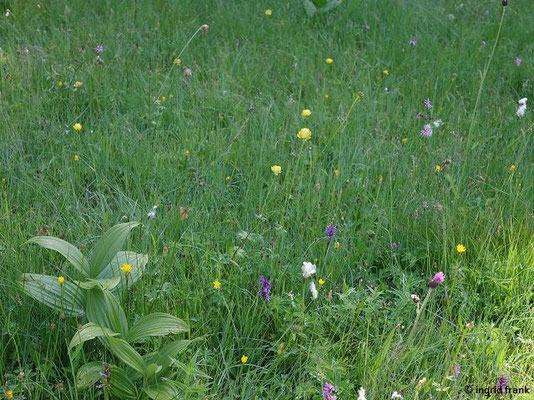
<point x="418" y="314"/>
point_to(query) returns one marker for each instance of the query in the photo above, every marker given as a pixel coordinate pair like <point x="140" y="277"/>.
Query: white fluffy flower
<point x="396" y="395"/>
<point x="152" y="213"/>
<point x="313" y="290"/>
<point x="308" y="269"/>
<point x="522" y="107"/>
<point x="438" y="123"/>
<point x="361" y="394"/>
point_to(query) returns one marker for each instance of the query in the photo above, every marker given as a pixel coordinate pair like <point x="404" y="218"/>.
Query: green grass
<point x="132" y="156"/>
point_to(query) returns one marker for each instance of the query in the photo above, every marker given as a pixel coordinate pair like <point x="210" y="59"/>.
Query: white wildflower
<point x="396" y="395"/>
<point x="438" y="123"/>
<point x="152" y="213"/>
<point x="308" y="269"/>
<point x="522" y="107"/>
<point x="313" y="290"/>
<point x="361" y="394"/>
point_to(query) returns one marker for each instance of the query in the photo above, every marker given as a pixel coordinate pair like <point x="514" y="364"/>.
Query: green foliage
<point x="314" y="7"/>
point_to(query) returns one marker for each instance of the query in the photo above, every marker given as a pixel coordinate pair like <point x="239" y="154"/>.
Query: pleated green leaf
<point x="88" y="374"/>
<point x="101" y="283"/>
<point x="121" y="385"/>
<point x="88" y="332"/>
<point x="67" y="250"/>
<point x="127" y="354"/>
<point x="103" y="308"/>
<point x="164" y="390"/>
<point x="156" y="324"/>
<point x="66" y="297"/>
<point x="136" y="260"/>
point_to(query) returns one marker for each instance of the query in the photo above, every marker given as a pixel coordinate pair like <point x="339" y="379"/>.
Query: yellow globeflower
<point x="385" y="72"/>
<point x="512" y="167"/>
<point x="216" y="285"/>
<point x="460" y="248"/>
<point x="61" y="279"/>
<point x="305" y="113"/>
<point x="126" y="268"/>
<point x="60" y="84"/>
<point x="336" y="172"/>
<point x="244" y="359"/>
<point x="276" y="169"/>
<point x="228" y="179"/>
<point x="438" y="168"/>
<point x="186" y="153"/>
<point x="162" y="99"/>
<point x="304" y="134"/>
<point x="321" y="282"/>
<point x="9" y="394"/>
<point x="329" y="61"/>
<point x="268" y="12"/>
<point x="404" y="140"/>
<point x="327" y="96"/>
<point x="77" y="126"/>
<point x="76" y="157"/>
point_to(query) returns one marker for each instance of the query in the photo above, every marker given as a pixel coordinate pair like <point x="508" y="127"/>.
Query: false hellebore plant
<point x="103" y="275"/>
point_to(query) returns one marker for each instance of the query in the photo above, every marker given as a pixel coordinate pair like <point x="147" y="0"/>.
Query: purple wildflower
<point x="419" y="115"/>
<point x="413" y="41"/>
<point x="188" y="73"/>
<point x="394" y="245"/>
<point x="330" y="232"/>
<point x="366" y="27"/>
<point x="265" y="290"/>
<point x="427" y="103"/>
<point x="105" y="377"/>
<point x="426" y="131"/>
<point x="517" y="61"/>
<point x="99" y="49"/>
<point x="456" y="371"/>
<point x="504" y="3"/>
<point x="328" y="390"/>
<point x="502" y="383"/>
<point x="415" y="298"/>
<point x="439" y="278"/>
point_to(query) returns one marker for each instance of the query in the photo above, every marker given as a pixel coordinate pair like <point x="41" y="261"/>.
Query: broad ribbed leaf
<point x="156" y="324"/>
<point x="108" y="246"/>
<point x="164" y="390"/>
<point x="66" y="297"/>
<point x="88" y="374"/>
<point x="121" y="385"/>
<point x="103" y="308"/>
<point x="165" y="355"/>
<point x="127" y="354"/>
<point x="331" y="5"/>
<point x="101" y="283"/>
<point x="88" y="332"/>
<point x="136" y="260"/>
<point x="67" y="250"/>
<point x="310" y="8"/>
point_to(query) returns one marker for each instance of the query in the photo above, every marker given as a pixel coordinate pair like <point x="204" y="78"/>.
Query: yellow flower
<point x="77" y="126"/>
<point x="9" y="394"/>
<point x="244" y="359"/>
<point x="76" y="157"/>
<point x="404" y="140"/>
<point x="228" y="179"/>
<point x="186" y="153"/>
<point x="60" y="84"/>
<point x="163" y="98"/>
<point x="78" y="84"/>
<point x="304" y="134"/>
<point x="336" y="246"/>
<point x="177" y="61"/>
<point x="336" y="172"/>
<point x="385" y="72"/>
<point x="329" y="61"/>
<point x="512" y="167"/>
<point x="276" y="169"/>
<point x="327" y="96"/>
<point x="268" y="12"/>
<point x="305" y="113"/>
<point x="171" y="96"/>
<point x="460" y="248"/>
<point x="438" y="168"/>
<point x="126" y="268"/>
<point x="216" y="285"/>
<point x="61" y="279"/>
<point x="321" y="282"/>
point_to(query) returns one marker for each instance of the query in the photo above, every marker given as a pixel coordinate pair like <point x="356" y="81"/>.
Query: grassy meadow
<point x="195" y="120"/>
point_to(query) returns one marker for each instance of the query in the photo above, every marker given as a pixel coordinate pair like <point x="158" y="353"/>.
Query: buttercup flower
<point x="216" y="285"/>
<point x="308" y="269"/>
<point x="328" y="392"/>
<point x="276" y="169"/>
<point x="268" y="12"/>
<point x="336" y="172"/>
<point x="244" y="359"/>
<point x="265" y="290"/>
<point x="460" y="248"/>
<point x="76" y="157"/>
<point x="438" y="168"/>
<point x="512" y="167"/>
<point x="385" y="72"/>
<point x="126" y="268"/>
<point x="60" y="84"/>
<point x="327" y="96"/>
<point x="77" y="126"/>
<point x="313" y="290"/>
<point x="304" y="134"/>
<point x="99" y="49"/>
<point x="404" y="140"/>
<point x="186" y="153"/>
<point x="9" y="393"/>
<point x="426" y="131"/>
<point x="305" y="113"/>
<point x="439" y="278"/>
<point x="321" y="282"/>
<point x="61" y="279"/>
<point x="329" y="61"/>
